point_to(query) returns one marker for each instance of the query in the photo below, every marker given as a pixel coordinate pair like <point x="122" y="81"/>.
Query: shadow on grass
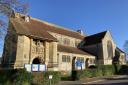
<point x="121" y="83"/>
<point x="66" y="78"/>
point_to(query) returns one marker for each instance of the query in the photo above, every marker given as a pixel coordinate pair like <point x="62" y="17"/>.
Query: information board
<point x="35" y="67"/>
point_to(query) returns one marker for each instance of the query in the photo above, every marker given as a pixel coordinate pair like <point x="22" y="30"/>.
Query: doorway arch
<point x="73" y="63"/>
<point x="87" y="63"/>
<point x="36" y="61"/>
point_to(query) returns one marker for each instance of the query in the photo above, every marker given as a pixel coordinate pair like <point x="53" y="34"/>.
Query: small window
<point x="66" y="58"/>
<point x="110" y="50"/>
<point x="59" y="39"/>
<point x="92" y="61"/>
<point x="66" y="41"/>
<point x="122" y="57"/>
<point x="76" y="43"/>
<point x="81" y="59"/>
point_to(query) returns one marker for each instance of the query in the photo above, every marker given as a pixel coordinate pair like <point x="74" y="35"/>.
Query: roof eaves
<point x="68" y="47"/>
<point x="37" y="37"/>
<point x="120" y="49"/>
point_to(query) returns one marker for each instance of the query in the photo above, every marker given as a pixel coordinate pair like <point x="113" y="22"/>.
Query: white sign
<point x="35" y="67"/>
<point x="50" y="76"/>
<point x="28" y="67"/>
<point x="42" y="68"/>
<point x="83" y="65"/>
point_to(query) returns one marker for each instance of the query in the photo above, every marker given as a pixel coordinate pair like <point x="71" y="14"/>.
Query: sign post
<point x="50" y="78"/>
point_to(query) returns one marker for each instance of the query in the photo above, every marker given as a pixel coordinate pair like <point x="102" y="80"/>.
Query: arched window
<point x="110" y="50"/>
<point x="36" y="61"/>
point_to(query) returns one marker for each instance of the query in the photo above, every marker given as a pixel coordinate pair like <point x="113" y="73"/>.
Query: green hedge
<point x="123" y="70"/>
<point x="15" y="77"/>
<point x="107" y="70"/>
<point x="5" y="76"/>
<point x="76" y="75"/>
<point x="102" y="70"/>
<point x="22" y="77"/>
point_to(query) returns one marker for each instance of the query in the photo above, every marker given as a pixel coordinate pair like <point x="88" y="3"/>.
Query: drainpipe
<point x="30" y="51"/>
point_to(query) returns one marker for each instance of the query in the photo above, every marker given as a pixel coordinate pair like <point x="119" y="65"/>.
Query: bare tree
<point x="7" y="7"/>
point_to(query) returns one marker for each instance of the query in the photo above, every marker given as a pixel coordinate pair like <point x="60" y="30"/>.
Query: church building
<point x="33" y="41"/>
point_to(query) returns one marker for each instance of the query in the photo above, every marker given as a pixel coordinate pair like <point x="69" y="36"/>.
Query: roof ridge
<point x="59" y="27"/>
<point x="98" y="33"/>
<point x="95" y="38"/>
<point x="120" y="49"/>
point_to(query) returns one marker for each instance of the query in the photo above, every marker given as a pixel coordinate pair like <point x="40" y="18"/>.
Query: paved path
<point x="115" y="80"/>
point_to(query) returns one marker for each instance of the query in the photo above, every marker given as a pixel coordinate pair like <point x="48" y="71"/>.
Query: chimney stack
<point x="80" y="31"/>
<point x="27" y="18"/>
<point x="15" y="15"/>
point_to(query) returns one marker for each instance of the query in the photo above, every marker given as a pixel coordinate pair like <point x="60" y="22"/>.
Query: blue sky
<point x="92" y="16"/>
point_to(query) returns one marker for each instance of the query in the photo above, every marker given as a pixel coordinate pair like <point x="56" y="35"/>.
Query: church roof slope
<point x="68" y="49"/>
<point x="119" y="50"/>
<point x="94" y="39"/>
<point x="37" y="27"/>
<point x="56" y="29"/>
<point x="30" y="29"/>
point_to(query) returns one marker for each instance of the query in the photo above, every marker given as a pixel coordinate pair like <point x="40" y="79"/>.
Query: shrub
<point x="66" y="75"/>
<point x="15" y="77"/>
<point x="107" y="70"/>
<point x="56" y="77"/>
<point x="7" y="83"/>
<point x="6" y="76"/>
<point x="127" y="62"/>
<point x="42" y="78"/>
<point x="79" y="74"/>
<point x="101" y="70"/>
<point x="117" y="67"/>
<point x="92" y="67"/>
<point x="123" y="70"/>
<point x="96" y="72"/>
<point x="22" y="77"/>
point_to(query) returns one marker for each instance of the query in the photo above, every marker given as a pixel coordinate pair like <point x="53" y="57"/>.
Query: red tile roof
<point x="68" y="49"/>
<point x="32" y="30"/>
<point x="40" y="29"/>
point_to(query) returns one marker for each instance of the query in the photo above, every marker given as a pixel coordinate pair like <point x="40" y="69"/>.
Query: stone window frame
<point x="110" y="49"/>
<point x="77" y="43"/>
<point x="81" y="59"/>
<point x="66" y="41"/>
<point x="66" y="58"/>
<point x="92" y="61"/>
<point x="122" y="58"/>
